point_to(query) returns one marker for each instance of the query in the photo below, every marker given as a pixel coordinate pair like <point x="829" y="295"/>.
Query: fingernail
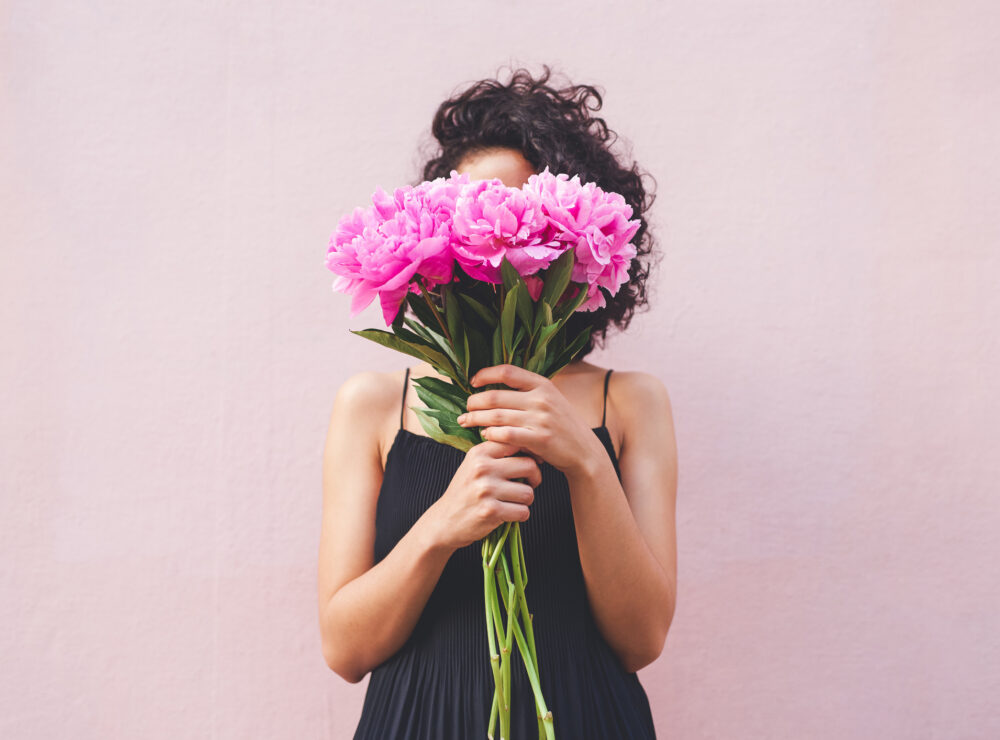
<point x="461" y="418"/>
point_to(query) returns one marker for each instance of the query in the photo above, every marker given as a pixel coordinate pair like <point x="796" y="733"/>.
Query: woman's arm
<point x="366" y="612"/>
<point x="627" y="541"/>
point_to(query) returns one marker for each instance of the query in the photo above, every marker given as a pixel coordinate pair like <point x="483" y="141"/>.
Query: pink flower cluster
<point x="419" y="233"/>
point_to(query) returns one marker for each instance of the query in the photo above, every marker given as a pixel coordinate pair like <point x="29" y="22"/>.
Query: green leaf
<point x="543" y="315"/>
<point x="456" y="327"/>
<point x="390" y="340"/>
<point x="432" y="336"/>
<point x="511" y="278"/>
<point x="443" y="388"/>
<point x="497" y="347"/>
<point x="545" y="336"/>
<point x="397" y="323"/>
<point x="487" y="315"/>
<point x="557" y="277"/>
<point x="421" y="310"/>
<point x="439" y="403"/>
<point x="416" y="339"/>
<point x="524" y="304"/>
<point x="448" y="425"/>
<point x="538" y="357"/>
<point x="537" y="361"/>
<point x="509" y="274"/>
<point x="557" y="344"/>
<point x="521" y="331"/>
<point x="567" y="355"/>
<point x="565" y="310"/>
<point x="453" y="316"/>
<point x="428" y="333"/>
<point x="507" y="319"/>
<point x="430" y="425"/>
<point x="480" y="353"/>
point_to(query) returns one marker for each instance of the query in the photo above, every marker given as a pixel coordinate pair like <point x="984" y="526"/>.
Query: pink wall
<point x="825" y="319"/>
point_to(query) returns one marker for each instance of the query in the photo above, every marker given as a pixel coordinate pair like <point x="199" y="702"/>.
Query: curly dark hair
<point x="551" y="127"/>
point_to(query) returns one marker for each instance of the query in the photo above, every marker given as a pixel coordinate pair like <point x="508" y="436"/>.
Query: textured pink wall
<point x="825" y="319"/>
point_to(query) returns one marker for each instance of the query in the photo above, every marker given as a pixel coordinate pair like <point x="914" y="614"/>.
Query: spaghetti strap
<point x="604" y="413"/>
<point x="402" y="410"/>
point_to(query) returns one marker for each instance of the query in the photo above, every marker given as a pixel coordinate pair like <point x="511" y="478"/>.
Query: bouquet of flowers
<point x="491" y="275"/>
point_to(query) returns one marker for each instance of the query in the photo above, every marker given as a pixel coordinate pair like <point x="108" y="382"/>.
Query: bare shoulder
<point x="642" y="405"/>
<point x="362" y="407"/>
<point x="363" y="388"/>
<point x="640" y="390"/>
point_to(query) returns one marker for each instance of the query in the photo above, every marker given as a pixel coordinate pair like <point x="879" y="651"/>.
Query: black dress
<point x="439" y="684"/>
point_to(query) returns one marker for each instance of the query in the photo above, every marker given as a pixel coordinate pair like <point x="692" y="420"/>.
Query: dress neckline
<point x="403" y="431"/>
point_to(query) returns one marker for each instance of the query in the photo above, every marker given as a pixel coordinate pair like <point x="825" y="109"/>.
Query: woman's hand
<point x="536" y="417"/>
<point x="483" y="494"/>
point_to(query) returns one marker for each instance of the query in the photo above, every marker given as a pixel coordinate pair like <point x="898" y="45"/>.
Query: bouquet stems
<point x="504" y="572"/>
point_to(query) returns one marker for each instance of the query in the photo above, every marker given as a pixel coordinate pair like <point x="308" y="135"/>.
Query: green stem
<point x="434" y="310"/>
<point x="530" y="663"/>
<point x="511" y="616"/>
<point x="493" y="717"/>
<point x="521" y="580"/>
<point x="536" y="687"/>
<point x="498" y="674"/>
<point x="499" y="546"/>
<point x="518" y="567"/>
<point x="490" y="594"/>
<point x="509" y="605"/>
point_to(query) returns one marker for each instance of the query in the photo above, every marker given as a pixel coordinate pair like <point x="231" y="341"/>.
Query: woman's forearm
<point x="631" y="596"/>
<point x="368" y="619"/>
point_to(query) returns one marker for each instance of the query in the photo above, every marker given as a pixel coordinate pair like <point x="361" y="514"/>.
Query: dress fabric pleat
<point x="439" y="685"/>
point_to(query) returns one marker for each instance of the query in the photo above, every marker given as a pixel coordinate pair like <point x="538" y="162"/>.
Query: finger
<point x="515" y="493"/>
<point x="509" y="375"/>
<point x="494" y="417"/>
<point x="521" y="437"/>
<point x="509" y="512"/>
<point x="492" y="448"/>
<point x="518" y="466"/>
<point x="497" y="398"/>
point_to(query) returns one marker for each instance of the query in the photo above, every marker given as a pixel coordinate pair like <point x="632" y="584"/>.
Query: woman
<point x="400" y="570"/>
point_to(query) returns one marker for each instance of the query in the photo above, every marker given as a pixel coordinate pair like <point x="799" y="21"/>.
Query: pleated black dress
<point x="439" y="684"/>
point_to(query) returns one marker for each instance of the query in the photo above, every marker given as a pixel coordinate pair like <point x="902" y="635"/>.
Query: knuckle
<point x="481" y="490"/>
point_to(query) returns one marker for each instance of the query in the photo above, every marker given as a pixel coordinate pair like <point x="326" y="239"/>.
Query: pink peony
<point x="381" y="249"/>
<point x="595" y="224"/>
<point x="493" y="220"/>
